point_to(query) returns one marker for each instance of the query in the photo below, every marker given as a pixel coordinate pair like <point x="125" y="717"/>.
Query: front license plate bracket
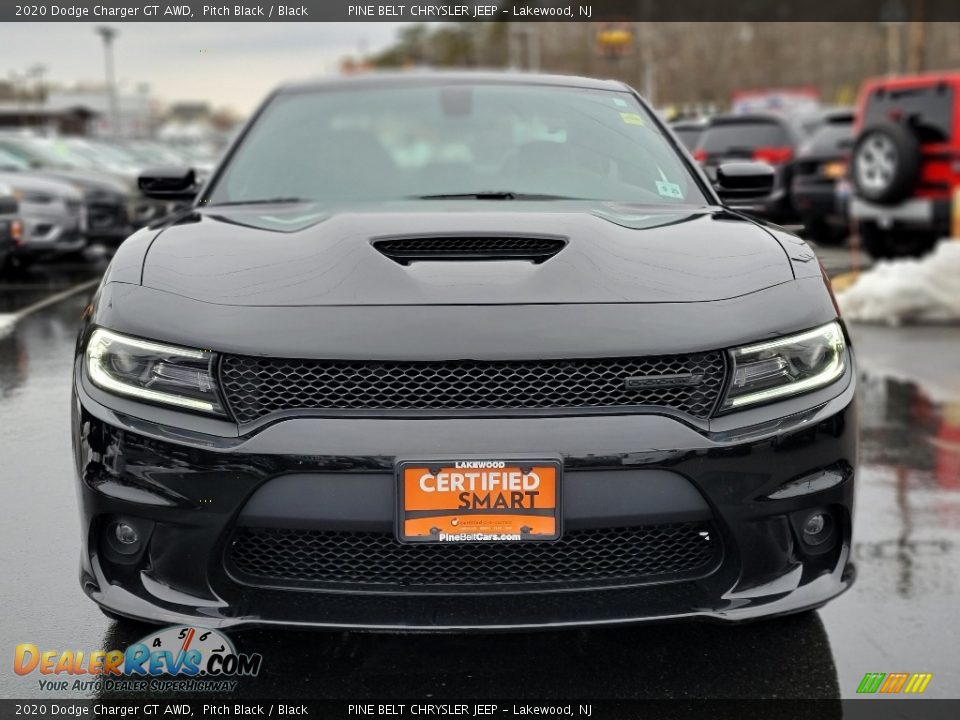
<point x="470" y="500"/>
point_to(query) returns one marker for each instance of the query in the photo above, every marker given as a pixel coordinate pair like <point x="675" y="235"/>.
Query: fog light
<point x="124" y="540"/>
<point x="813" y="526"/>
<point x="816" y="529"/>
<point x="126" y="534"/>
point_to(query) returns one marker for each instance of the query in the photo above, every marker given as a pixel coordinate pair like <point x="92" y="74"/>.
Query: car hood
<point x="304" y="255"/>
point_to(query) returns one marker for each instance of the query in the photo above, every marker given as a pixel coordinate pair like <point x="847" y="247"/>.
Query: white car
<point x="9" y="223"/>
<point x="52" y="213"/>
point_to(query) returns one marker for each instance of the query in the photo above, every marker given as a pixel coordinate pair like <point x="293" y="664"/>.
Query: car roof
<point x="430" y="77"/>
<point x="700" y="123"/>
<point x="909" y="81"/>
<point x="738" y="118"/>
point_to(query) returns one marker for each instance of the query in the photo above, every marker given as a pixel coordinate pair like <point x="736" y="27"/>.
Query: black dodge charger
<point x="462" y="351"/>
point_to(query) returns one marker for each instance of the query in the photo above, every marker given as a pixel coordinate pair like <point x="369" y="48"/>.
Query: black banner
<point x="876" y="709"/>
<point x="482" y="11"/>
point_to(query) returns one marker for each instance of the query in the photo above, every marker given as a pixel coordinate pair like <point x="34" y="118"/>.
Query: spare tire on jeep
<point x="886" y="163"/>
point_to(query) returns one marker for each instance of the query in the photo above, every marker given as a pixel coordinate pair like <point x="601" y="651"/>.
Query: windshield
<point x="745" y="135"/>
<point x="688" y="136"/>
<point x="507" y="141"/>
<point x="61" y="153"/>
<point x="96" y="153"/>
<point x="927" y="108"/>
<point x="9" y="161"/>
<point x="832" y="139"/>
<point x="40" y="153"/>
<point x="145" y="152"/>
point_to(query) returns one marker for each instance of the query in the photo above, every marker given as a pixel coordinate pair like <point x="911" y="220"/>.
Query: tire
<point x="824" y="234"/>
<point x="886" y="163"/>
<point x="886" y="244"/>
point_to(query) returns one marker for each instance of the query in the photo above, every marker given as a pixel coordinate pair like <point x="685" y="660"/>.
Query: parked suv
<point x="52" y="213"/>
<point x="819" y="178"/>
<point x="904" y="166"/>
<point x="9" y="224"/>
<point x="689" y="131"/>
<point x="108" y="200"/>
<point x="765" y="137"/>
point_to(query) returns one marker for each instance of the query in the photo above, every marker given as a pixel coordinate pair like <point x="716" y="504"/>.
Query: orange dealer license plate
<point x="474" y="500"/>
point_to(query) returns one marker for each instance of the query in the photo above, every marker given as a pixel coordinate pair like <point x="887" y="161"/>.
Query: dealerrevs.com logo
<point x="176" y="658"/>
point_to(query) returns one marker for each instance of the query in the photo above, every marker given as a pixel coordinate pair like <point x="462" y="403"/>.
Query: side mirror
<point x="169" y="183"/>
<point x="737" y="180"/>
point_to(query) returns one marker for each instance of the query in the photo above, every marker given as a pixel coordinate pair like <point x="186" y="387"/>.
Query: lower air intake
<point x="581" y="558"/>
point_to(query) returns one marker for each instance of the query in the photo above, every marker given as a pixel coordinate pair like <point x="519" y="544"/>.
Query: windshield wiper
<point x="261" y="201"/>
<point x="492" y="195"/>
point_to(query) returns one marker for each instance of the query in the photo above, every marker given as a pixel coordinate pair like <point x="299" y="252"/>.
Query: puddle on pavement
<point x="18" y="289"/>
<point x="908" y="515"/>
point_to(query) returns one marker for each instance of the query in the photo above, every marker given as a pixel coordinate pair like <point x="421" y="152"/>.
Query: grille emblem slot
<point x="662" y="381"/>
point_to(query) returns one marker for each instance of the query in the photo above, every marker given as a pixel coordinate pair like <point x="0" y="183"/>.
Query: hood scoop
<point x="445" y="248"/>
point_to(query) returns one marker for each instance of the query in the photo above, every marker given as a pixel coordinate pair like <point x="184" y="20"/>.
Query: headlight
<point x="162" y="374"/>
<point x="787" y="366"/>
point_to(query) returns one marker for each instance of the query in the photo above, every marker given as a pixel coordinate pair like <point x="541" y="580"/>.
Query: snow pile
<point x="907" y="290"/>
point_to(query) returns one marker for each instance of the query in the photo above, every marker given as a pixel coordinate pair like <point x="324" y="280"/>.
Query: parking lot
<point x="899" y="616"/>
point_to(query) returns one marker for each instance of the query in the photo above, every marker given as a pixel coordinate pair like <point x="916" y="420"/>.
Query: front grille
<point x="104" y="216"/>
<point x="623" y="555"/>
<point x="256" y="387"/>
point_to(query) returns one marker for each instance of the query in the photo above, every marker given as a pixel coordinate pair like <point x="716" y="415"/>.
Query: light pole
<point x="107" y="34"/>
<point x="893" y="15"/>
<point x="36" y="72"/>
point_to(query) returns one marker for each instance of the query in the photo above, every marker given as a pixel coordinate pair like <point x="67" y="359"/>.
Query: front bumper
<point x="190" y="494"/>
<point x="919" y="213"/>
<point x="108" y="221"/>
<point x="7" y="244"/>
<point x="821" y="202"/>
<point x="43" y="237"/>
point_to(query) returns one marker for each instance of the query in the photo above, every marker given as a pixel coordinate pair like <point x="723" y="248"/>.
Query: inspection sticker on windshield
<point x="632" y="118"/>
<point x="478" y="501"/>
<point x="667" y="188"/>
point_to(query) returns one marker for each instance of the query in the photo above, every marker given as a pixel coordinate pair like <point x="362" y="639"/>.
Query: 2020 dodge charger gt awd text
<point x="457" y="351"/>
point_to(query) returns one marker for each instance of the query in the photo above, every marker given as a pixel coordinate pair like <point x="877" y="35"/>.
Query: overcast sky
<point x="226" y="64"/>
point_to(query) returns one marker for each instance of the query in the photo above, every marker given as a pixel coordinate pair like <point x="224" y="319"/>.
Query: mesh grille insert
<point x="256" y="387"/>
<point x="585" y="557"/>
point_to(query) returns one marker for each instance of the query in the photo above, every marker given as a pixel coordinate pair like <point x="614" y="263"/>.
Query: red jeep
<point x="906" y="162"/>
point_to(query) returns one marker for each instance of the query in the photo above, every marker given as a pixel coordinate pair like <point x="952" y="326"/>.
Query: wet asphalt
<point x="901" y="614"/>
